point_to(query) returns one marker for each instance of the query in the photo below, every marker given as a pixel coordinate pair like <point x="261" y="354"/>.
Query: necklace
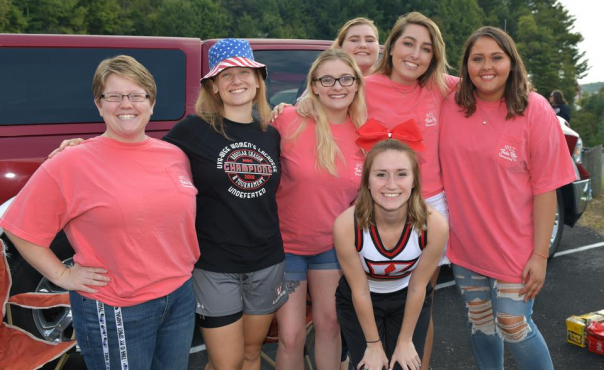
<point x="485" y="117"/>
<point x="403" y="91"/>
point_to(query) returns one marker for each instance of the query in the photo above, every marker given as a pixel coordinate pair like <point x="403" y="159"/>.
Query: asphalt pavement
<point x="574" y="285"/>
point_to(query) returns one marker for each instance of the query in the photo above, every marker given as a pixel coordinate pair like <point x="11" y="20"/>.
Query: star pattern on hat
<point x="231" y="53"/>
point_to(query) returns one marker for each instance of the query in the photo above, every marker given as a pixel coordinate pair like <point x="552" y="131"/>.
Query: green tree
<point x="457" y="19"/>
<point x="589" y="120"/>
<point x="54" y="16"/>
<point x="11" y="17"/>
<point x="105" y="17"/>
<point x="190" y="18"/>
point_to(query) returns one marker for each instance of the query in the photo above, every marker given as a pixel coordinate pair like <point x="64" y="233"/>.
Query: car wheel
<point x="54" y="324"/>
<point x="556" y="237"/>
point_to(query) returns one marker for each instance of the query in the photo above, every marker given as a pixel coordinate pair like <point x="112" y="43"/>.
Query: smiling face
<point x="411" y="54"/>
<point x="488" y="68"/>
<point x="391" y="180"/>
<point x="361" y="44"/>
<point x="237" y="87"/>
<point x="125" y="120"/>
<point x="337" y="98"/>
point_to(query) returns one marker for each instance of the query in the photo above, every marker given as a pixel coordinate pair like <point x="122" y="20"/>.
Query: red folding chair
<point x="20" y="350"/>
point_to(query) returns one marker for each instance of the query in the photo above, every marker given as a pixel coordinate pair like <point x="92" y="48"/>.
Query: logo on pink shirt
<point x="358" y="169"/>
<point x="508" y="152"/>
<point x="185" y="183"/>
<point x="430" y="120"/>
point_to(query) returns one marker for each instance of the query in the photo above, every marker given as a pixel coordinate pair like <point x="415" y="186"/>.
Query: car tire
<point x="558" y="225"/>
<point x="53" y="324"/>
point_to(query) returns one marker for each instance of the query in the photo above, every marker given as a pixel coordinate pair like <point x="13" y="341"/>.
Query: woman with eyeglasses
<point x="127" y="205"/>
<point x="321" y="172"/>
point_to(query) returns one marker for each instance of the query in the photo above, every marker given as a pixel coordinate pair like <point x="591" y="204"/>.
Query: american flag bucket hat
<point x="228" y="53"/>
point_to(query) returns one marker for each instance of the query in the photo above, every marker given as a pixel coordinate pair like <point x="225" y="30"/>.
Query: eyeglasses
<point x="134" y="97"/>
<point x="328" y="81"/>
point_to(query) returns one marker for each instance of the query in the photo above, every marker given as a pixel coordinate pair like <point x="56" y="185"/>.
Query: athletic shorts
<point x="439" y="203"/>
<point x="297" y="265"/>
<point x="222" y="298"/>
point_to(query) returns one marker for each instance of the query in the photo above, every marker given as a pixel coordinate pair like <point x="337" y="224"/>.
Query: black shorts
<point x="388" y="309"/>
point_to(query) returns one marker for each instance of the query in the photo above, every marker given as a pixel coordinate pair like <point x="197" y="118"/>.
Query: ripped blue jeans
<point x="497" y="314"/>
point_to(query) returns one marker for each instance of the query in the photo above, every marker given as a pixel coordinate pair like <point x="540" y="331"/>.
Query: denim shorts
<point x="297" y="265"/>
<point x="154" y="335"/>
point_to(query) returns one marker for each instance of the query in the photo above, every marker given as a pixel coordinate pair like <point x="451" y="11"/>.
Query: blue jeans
<point x="153" y="335"/>
<point x="497" y="314"/>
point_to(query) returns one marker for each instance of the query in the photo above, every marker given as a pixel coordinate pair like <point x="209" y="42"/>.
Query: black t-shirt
<point x="563" y="111"/>
<point x="237" y="223"/>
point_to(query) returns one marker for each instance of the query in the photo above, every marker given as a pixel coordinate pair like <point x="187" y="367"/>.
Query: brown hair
<point x="326" y="147"/>
<point x="126" y="67"/>
<point x="517" y="86"/>
<point x="434" y="75"/>
<point x="361" y="21"/>
<point x="210" y="107"/>
<point x="558" y="97"/>
<point x="365" y="205"/>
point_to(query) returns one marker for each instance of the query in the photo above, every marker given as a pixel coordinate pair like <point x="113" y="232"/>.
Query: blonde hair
<point x="326" y="147"/>
<point x="364" y="209"/>
<point x="361" y="21"/>
<point x="126" y="67"/>
<point x="210" y="107"/>
<point x="435" y="74"/>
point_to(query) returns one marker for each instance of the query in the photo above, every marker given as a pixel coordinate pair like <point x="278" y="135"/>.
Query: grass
<point x="593" y="217"/>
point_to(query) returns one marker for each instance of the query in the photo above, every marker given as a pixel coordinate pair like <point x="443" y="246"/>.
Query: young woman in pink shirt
<point x="499" y="142"/>
<point x="321" y="172"/>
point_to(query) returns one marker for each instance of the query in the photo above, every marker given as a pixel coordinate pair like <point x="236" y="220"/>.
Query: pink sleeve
<point x="550" y="165"/>
<point x="285" y="122"/>
<point x="38" y="212"/>
<point x="451" y="82"/>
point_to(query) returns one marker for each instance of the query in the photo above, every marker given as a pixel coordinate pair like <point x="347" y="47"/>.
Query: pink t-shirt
<point x="128" y="208"/>
<point x="392" y="103"/>
<point x="491" y="174"/>
<point x="310" y="198"/>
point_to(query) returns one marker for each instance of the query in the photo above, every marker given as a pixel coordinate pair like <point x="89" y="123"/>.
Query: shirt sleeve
<point x="180" y="134"/>
<point x="550" y="163"/>
<point x="38" y="212"/>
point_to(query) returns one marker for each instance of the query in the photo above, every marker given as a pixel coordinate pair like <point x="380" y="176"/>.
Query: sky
<point x="588" y="22"/>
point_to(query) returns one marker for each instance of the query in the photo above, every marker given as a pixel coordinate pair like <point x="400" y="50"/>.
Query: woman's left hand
<point x="533" y="276"/>
<point x="406" y="355"/>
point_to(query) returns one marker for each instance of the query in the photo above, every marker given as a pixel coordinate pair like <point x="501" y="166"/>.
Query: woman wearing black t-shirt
<point x="235" y="165"/>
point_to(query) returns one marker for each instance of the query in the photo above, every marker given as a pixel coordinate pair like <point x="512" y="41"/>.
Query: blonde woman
<point x="321" y="172"/>
<point x="359" y="37"/>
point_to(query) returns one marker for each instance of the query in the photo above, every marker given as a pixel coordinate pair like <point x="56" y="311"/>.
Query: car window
<point x="287" y="70"/>
<point x="58" y="83"/>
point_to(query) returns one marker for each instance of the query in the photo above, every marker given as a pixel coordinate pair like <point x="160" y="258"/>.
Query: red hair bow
<point x="372" y="132"/>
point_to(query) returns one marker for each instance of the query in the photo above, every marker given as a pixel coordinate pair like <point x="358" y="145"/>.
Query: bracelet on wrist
<point x="373" y="341"/>
<point x="541" y="255"/>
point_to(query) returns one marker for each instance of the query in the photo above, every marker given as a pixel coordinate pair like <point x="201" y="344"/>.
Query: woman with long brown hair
<point x="499" y="140"/>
